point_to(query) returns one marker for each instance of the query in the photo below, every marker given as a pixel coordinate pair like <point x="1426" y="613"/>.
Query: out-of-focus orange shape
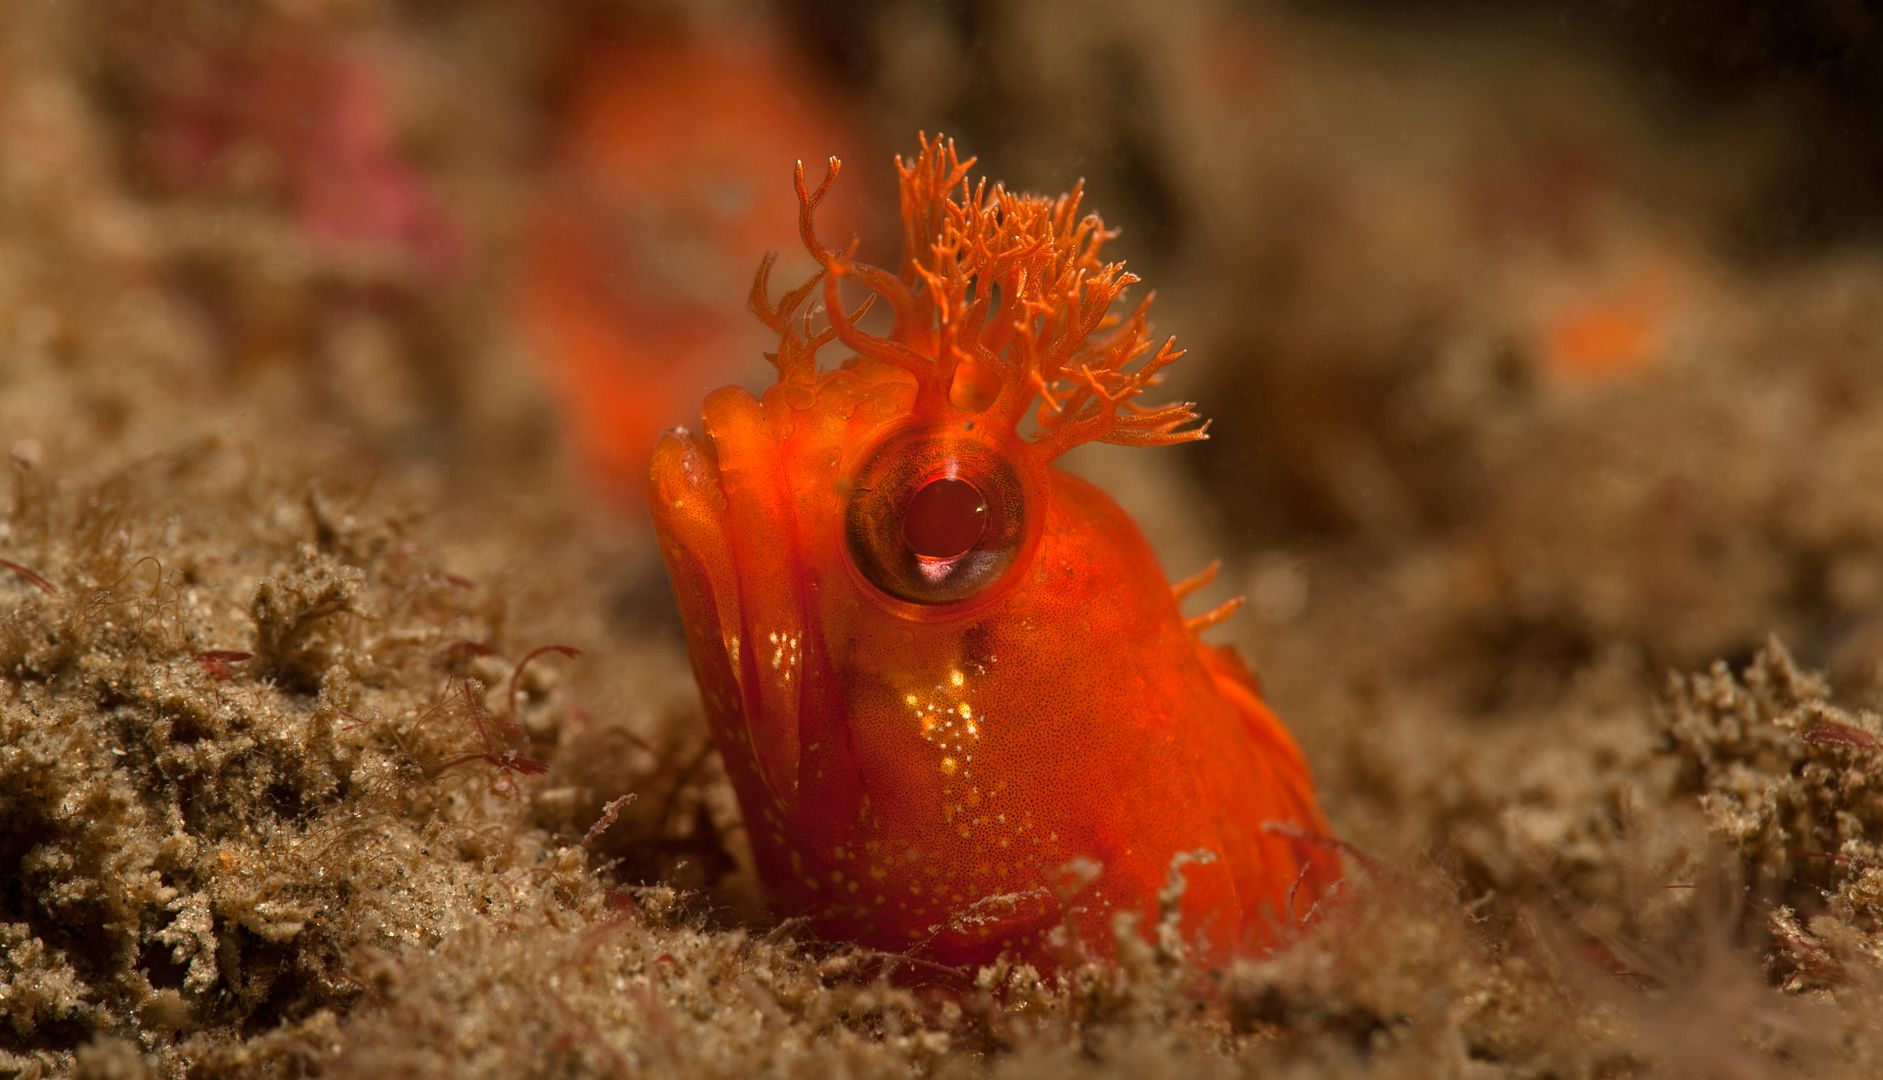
<point x="1618" y="328"/>
<point x="1599" y="341"/>
<point x="952" y="687"/>
<point x="634" y="262"/>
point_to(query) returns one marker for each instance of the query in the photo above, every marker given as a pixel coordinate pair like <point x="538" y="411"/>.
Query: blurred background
<point x="1540" y="340"/>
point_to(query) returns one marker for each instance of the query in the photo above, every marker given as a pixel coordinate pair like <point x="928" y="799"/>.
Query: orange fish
<point x="953" y="689"/>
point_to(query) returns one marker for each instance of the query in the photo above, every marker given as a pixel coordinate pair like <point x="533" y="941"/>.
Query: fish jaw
<point x="729" y="542"/>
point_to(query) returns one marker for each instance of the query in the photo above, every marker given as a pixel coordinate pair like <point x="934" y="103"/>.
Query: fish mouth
<point x="722" y="511"/>
<point x="686" y="497"/>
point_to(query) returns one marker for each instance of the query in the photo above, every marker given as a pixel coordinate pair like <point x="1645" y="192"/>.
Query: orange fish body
<point x="954" y="692"/>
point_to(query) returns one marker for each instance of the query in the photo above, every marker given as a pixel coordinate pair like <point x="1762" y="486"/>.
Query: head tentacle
<point x="1008" y="290"/>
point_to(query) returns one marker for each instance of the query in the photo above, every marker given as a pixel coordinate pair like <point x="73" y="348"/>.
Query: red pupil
<point x="944" y="519"/>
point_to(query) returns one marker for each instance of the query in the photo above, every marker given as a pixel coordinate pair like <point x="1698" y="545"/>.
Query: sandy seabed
<point x="1548" y="427"/>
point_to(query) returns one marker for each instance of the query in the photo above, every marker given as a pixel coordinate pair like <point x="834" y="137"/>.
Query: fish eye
<point x="934" y="519"/>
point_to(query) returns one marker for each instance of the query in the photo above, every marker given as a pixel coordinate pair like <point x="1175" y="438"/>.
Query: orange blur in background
<point x="664" y="165"/>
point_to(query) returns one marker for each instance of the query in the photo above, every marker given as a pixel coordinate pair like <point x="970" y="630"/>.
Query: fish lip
<point x="706" y="497"/>
<point x="686" y="493"/>
<point x="686" y="461"/>
<point x="687" y="500"/>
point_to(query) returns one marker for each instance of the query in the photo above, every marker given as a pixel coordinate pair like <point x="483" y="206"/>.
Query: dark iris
<point x="945" y="518"/>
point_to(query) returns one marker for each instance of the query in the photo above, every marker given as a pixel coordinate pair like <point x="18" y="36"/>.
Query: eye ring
<point x="937" y="518"/>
